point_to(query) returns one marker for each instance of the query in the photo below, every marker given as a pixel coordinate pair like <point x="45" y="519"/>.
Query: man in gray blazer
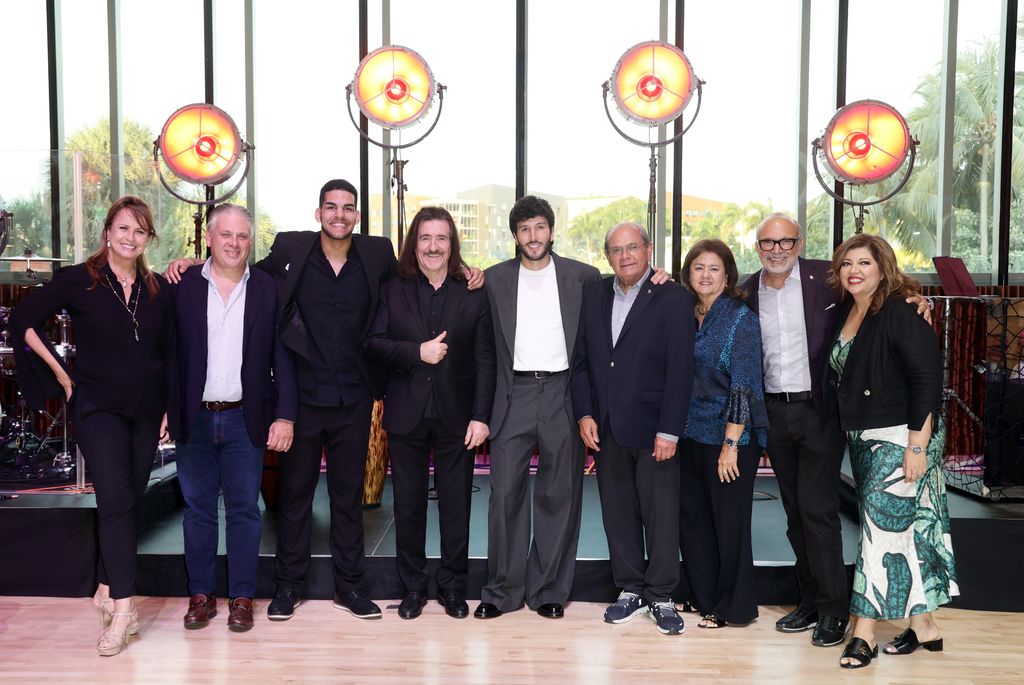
<point x="535" y="303"/>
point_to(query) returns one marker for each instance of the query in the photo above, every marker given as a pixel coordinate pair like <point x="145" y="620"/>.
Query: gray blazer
<point x="502" y="285"/>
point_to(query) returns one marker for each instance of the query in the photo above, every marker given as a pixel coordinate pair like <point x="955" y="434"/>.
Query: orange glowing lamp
<point x="201" y="144"/>
<point x="652" y="83"/>
<point x="393" y="87"/>
<point x="865" y="142"/>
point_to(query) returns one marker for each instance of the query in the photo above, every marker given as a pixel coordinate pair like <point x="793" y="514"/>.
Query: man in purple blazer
<point x="797" y="310"/>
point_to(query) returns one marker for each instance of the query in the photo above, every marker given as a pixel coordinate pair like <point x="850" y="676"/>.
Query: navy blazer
<point x="268" y="370"/>
<point x="286" y="262"/>
<point x="463" y="381"/>
<point x="820" y="316"/>
<point x="641" y="386"/>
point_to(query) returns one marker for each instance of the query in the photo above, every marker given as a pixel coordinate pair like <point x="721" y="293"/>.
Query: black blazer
<point x="820" y="312"/>
<point x="464" y="380"/>
<point x="893" y="374"/>
<point x="642" y="385"/>
<point x="268" y="371"/>
<point x="286" y="262"/>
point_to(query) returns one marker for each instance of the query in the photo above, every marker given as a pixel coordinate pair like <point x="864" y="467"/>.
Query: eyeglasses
<point x="787" y="244"/>
<point x="617" y="251"/>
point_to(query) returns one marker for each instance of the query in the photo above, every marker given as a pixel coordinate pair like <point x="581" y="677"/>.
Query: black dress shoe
<point x="830" y="631"/>
<point x="797" y="621"/>
<point x="412" y="605"/>
<point x="453" y="603"/>
<point x="551" y="610"/>
<point x="487" y="610"/>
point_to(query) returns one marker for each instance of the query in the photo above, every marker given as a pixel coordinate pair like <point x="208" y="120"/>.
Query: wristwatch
<point x="916" y="449"/>
<point x="729" y="442"/>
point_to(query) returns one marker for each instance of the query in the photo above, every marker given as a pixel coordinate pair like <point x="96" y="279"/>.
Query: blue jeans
<point x="220" y="457"/>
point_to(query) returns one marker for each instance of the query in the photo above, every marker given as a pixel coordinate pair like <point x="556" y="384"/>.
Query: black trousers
<point x="453" y="479"/>
<point x="119" y="452"/>
<point x="806" y="453"/>
<point x="640" y="506"/>
<point x="715" y="531"/>
<point x="343" y="434"/>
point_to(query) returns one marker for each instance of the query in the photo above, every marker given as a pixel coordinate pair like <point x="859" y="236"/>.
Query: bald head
<point x="779" y="243"/>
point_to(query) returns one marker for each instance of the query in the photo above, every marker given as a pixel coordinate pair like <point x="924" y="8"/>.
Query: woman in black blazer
<point x="886" y="375"/>
<point x="121" y="313"/>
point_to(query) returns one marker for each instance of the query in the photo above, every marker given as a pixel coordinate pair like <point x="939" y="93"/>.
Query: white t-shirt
<point x="540" y="338"/>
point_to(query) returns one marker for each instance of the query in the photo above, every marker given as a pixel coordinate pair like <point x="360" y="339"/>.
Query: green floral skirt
<point x="905" y="561"/>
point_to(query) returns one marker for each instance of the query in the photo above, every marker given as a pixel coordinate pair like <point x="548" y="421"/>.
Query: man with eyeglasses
<point x="631" y="382"/>
<point x="797" y="310"/>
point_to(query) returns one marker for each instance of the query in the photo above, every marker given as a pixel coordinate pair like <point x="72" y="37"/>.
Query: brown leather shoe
<point x="240" y="616"/>
<point x="201" y="608"/>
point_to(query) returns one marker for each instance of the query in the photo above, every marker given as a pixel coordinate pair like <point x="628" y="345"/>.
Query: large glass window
<point x="25" y="133"/>
<point x="900" y="67"/>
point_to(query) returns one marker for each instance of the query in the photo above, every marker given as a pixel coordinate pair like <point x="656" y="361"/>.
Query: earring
<point x="108" y="244"/>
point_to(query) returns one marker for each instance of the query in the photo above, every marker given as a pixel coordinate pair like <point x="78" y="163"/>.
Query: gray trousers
<point x="536" y="417"/>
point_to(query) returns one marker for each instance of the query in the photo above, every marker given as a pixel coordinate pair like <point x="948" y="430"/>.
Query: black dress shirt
<point x="432" y="309"/>
<point x="335" y="309"/>
<point x="116" y="371"/>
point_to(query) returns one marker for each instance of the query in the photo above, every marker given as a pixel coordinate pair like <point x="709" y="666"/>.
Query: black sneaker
<point x="667" y="619"/>
<point x="797" y="621"/>
<point x="830" y="631"/>
<point x="356" y="603"/>
<point x="282" y="607"/>
<point x="627" y="606"/>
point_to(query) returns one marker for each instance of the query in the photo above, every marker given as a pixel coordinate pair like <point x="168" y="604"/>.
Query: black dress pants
<point x="640" y="507"/>
<point x="119" y="452"/>
<point x="806" y="453"/>
<point x="715" y="531"/>
<point x="343" y="434"/>
<point x="453" y="479"/>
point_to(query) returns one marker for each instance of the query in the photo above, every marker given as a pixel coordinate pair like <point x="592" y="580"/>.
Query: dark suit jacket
<point x="463" y="380"/>
<point x="893" y="374"/>
<point x="642" y="385"/>
<point x="286" y="262"/>
<point x="502" y="284"/>
<point x="820" y="316"/>
<point x="268" y="371"/>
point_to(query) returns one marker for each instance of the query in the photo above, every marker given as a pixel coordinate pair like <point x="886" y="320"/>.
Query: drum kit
<point x="26" y="455"/>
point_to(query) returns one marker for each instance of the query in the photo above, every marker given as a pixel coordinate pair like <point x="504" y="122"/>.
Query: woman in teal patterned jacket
<point x="886" y="377"/>
<point x="723" y="441"/>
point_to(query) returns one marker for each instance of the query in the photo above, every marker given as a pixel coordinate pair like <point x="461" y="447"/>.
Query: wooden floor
<point x="50" y="641"/>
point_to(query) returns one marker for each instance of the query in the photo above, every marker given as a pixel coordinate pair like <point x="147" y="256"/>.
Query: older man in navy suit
<point x="233" y="395"/>
<point x="631" y="383"/>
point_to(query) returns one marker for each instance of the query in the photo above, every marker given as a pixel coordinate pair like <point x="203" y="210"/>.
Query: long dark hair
<point x="408" y="267"/>
<point x="138" y="208"/>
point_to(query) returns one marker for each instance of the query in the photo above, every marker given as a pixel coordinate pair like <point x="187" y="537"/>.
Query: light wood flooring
<point x="51" y="640"/>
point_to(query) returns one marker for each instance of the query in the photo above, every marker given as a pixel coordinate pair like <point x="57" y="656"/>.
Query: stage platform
<point x="49" y="547"/>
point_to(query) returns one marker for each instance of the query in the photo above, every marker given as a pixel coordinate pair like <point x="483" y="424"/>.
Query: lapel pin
<point x="649" y="291"/>
<point x="286" y="266"/>
<point x="812" y="277"/>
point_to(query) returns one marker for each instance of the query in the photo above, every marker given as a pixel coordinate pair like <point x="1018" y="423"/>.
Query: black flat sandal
<point x="858" y="650"/>
<point x="907" y="643"/>
<point x="712" y="622"/>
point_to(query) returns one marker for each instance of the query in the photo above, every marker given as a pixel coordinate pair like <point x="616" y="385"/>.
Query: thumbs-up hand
<point x="433" y="351"/>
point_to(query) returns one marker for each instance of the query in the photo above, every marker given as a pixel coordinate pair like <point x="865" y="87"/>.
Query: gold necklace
<point x="132" y="311"/>
<point x="701" y="309"/>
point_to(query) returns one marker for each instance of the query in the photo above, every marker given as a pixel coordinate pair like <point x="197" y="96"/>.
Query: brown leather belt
<point x="222" y="406"/>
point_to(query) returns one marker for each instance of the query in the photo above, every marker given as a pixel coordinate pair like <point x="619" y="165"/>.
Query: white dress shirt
<point x="784" y="335"/>
<point x="225" y="324"/>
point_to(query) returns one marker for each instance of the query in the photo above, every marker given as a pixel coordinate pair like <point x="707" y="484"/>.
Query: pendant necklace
<point x="132" y="311"/>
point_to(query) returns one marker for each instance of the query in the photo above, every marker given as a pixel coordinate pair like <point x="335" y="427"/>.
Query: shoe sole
<point x="239" y="628"/>
<point x="366" y="617"/>
<point x="809" y="626"/>
<point x="670" y="632"/>
<point x="821" y="643"/>
<point x="625" y="619"/>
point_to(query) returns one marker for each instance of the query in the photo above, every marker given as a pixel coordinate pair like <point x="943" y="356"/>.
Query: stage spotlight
<point x="864" y="142"/>
<point x="200" y="144"/>
<point x="652" y="83"/>
<point x="394" y="88"/>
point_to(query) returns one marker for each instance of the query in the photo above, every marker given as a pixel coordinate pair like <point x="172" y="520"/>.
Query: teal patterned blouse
<point x="727" y="382"/>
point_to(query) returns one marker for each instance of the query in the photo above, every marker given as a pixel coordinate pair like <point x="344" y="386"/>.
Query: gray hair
<point x="780" y="215"/>
<point x="644" y="235"/>
<point x="227" y="208"/>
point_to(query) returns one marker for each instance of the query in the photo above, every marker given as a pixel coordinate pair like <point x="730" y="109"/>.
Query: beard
<point x="543" y="253"/>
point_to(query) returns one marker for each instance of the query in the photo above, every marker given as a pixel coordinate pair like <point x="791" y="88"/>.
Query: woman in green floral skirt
<point x="886" y="375"/>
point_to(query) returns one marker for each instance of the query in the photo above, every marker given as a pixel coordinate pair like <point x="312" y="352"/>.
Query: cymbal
<point x="28" y="256"/>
